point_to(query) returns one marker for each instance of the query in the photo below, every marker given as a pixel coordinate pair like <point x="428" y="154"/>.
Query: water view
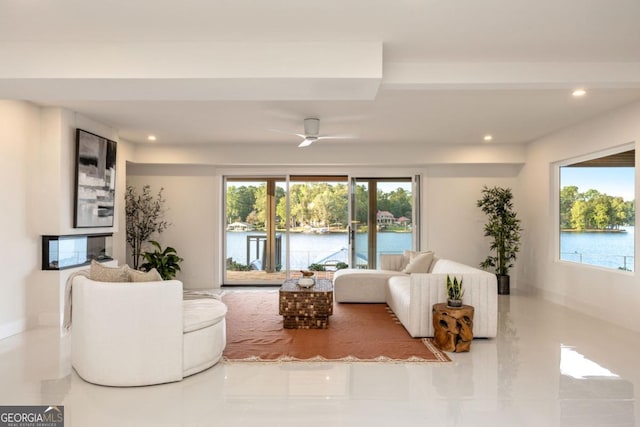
<point x="605" y="249"/>
<point x="307" y="249"/>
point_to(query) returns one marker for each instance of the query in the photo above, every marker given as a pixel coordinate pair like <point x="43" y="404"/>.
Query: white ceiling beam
<point x="191" y="71"/>
<point x="510" y="75"/>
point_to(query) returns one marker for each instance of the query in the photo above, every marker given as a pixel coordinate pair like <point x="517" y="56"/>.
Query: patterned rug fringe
<point x="350" y="359"/>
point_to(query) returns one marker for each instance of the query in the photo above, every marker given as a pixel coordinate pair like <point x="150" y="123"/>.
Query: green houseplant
<point x="503" y="227"/>
<point x="166" y="261"/>
<point x="455" y="292"/>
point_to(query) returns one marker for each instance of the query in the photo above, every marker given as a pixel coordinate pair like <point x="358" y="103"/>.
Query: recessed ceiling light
<point x="579" y="92"/>
<point x="488" y="138"/>
<point x="151" y="137"/>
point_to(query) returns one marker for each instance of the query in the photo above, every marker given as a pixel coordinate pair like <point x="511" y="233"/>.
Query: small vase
<point x="455" y="303"/>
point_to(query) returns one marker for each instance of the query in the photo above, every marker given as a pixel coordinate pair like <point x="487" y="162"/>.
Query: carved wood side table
<point x="453" y="327"/>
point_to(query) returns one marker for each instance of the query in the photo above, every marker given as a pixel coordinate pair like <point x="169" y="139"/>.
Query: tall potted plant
<point x="503" y="227"/>
<point x="145" y="216"/>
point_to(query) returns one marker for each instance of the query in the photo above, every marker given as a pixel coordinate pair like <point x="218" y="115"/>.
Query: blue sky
<point x="612" y="181"/>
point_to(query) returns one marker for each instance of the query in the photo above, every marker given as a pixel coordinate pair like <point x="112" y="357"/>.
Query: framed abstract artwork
<point x="95" y="180"/>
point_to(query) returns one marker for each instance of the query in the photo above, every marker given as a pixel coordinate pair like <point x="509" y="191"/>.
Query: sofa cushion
<point x="100" y="273"/>
<point x="419" y="262"/>
<point x="447" y="266"/>
<point x="144" y="276"/>
<point x="399" y="297"/>
<point x="202" y="313"/>
<point x="408" y="255"/>
<point x="361" y="285"/>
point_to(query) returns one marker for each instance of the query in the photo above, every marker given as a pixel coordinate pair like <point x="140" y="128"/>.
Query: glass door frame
<point x="272" y="182"/>
<point x="372" y="203"/>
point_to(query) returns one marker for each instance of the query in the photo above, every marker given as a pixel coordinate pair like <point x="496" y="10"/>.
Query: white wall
<point x="454" y="224"/>
<point x="591" y="290"/>
<point x="19" y="140"/>
<point x="37" y="171"/>
<point x="191" y="194"/>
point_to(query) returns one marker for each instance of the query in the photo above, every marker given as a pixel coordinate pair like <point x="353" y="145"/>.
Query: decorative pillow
<point x="409" y="255"/>
<point x="433" y="263"/>
<point x="420" y="263"/>
<point x="100" y="273"/>
<point x="144" y="276"/>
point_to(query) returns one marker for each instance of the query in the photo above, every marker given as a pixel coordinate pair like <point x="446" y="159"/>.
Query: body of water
<point x="613" y="250"/>
<point x="307" y="249"/>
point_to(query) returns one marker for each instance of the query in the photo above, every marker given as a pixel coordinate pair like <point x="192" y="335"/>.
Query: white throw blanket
<point x="66" y="321"/>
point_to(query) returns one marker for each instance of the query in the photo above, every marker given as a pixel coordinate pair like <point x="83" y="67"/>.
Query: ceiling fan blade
<point x="306" y="142"/>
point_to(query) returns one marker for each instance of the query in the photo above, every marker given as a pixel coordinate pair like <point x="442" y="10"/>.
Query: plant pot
<point x="455" y="303"/>
<point x="503" y="284"/>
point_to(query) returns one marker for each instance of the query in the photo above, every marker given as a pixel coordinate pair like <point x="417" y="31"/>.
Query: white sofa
<point x="133" y="334"/>
<point x="411" y="296"/>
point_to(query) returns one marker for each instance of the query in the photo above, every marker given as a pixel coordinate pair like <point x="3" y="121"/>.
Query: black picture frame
<point x="95" y="187"/>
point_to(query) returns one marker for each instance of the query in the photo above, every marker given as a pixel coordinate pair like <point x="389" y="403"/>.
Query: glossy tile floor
<point x="549" y="367"/>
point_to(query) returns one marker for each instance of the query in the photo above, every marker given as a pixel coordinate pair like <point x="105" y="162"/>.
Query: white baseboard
<point x="12" y="328"/>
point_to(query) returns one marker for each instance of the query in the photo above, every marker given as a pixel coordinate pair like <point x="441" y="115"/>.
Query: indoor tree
<point x="503" y="227"/>
<point x="144" y="216"/>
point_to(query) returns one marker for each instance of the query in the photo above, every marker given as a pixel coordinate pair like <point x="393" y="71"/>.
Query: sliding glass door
<point x="275" y="227"/>
<point x="382" y="212"/>
<point x="254" y="246"/>
<point x="318" y="214"/>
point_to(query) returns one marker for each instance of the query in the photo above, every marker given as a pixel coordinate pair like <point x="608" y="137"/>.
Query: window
<point x="597" y="211"/>
<point x="277" y="226"/>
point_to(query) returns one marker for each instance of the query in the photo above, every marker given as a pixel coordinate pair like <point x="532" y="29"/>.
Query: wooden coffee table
<point x="306" y="308"/>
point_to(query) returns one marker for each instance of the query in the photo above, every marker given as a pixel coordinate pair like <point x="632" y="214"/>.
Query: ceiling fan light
<point x="311" y="126"/>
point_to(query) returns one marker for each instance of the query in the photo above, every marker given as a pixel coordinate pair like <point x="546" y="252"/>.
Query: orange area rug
<point x="356" y="333"/>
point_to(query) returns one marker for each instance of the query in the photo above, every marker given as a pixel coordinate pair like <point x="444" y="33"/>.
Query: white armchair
<point x="132" y="334"/>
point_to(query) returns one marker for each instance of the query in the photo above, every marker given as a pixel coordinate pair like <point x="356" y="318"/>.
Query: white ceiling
<point x="450" y="71"/>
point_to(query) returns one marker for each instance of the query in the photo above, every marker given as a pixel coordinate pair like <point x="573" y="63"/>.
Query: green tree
<point x="260" y="206"/>
<point x="618" y="212"/>
<point x="281" y="213"/>
<point x="362" y="204"/>
<point x="579" y="215"/>
<point x="240" y="202"/>
<point x="630" y="208"/>
<point x="384" y="203"/>
<point x="401" y="202"/>
<point x="299" y="199"/>
<point x="600" y="213"/>
<point x="339" y="208"/>
<point x="568" y="196"/>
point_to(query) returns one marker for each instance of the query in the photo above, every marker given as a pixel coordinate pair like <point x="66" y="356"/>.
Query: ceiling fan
<point x="311" y="133"/>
